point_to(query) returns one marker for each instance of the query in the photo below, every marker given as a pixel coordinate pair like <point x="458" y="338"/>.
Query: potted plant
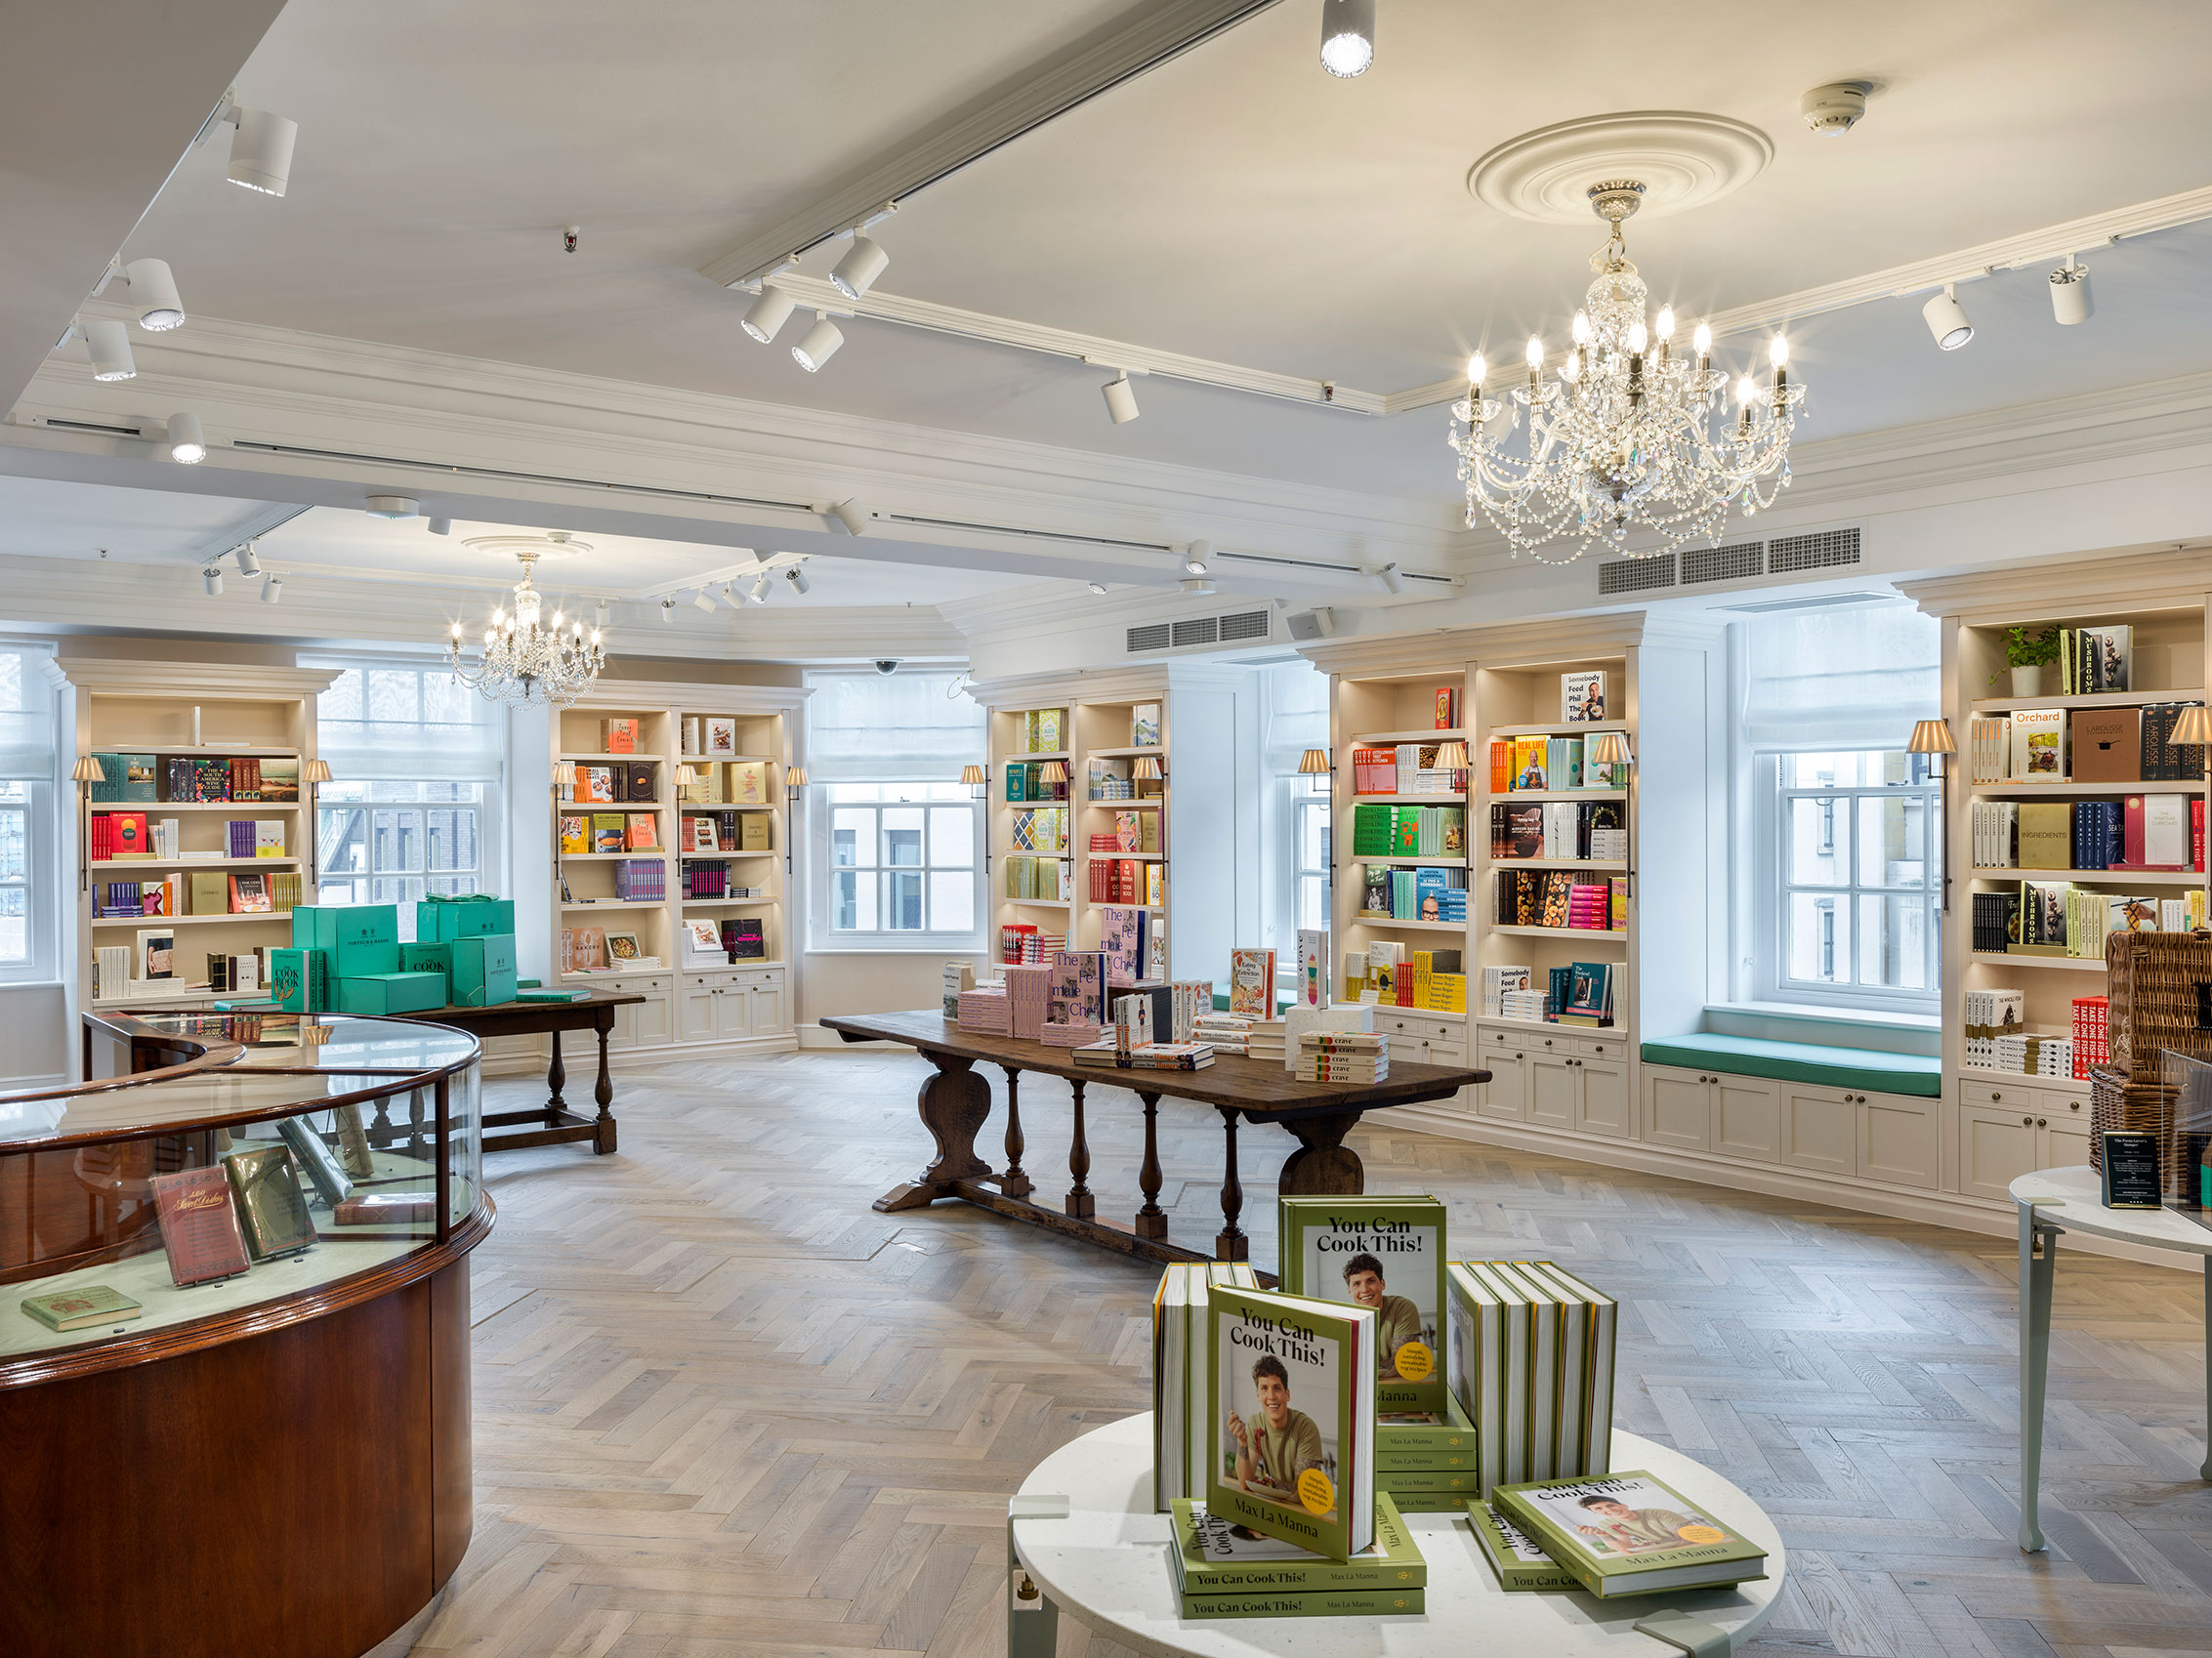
<point x="2026" y="654"/>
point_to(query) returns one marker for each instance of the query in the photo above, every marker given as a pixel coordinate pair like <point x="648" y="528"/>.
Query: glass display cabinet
<point x="233" y="1330"/>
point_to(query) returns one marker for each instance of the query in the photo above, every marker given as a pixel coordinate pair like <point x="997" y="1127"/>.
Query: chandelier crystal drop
<point x="1631" y="434"/>
<point x="525" y="661"/>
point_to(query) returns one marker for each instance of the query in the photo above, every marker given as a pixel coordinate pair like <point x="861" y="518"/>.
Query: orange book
<point x="1501" y="766"/>
<point x="619" y="736"/>
<point x="644" y="832"/>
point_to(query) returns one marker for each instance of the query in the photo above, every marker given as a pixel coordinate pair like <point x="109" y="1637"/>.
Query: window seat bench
<point x="1814" y="1063"/>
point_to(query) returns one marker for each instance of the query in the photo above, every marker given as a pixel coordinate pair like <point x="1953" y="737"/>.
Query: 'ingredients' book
<point x="1630" y="1535"/>
<point x="1386" y="1254"/>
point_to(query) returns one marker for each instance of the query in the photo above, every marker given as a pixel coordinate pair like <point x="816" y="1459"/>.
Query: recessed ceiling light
<point x="819" y="345"/>
<point x="1098" y="586"/>
<point x="856" y="273"/>
<point x="1946" y="319"/>
<point x="1197" y="584"/>
<point x="187" y="444"/>
<point x="154" y="292"/>
<point x="1348" y="36"/>
<point x="392" y="506"/>
<point x="769" y="313"/>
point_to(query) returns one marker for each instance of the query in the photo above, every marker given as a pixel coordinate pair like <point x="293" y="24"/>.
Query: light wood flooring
<point x="724" y="1410"/>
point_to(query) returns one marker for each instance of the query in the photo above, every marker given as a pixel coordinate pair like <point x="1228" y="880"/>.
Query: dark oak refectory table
<point x="955" y="1102"/>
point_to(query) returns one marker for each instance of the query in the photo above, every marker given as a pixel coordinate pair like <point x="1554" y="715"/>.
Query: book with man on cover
<point x="1386" y="1254"/>
<point x="1213" y="1556"/>
<point x="1630" y="1534"/>
<point x="1293" y="1416"/>
<point x="1513" y="1553"/>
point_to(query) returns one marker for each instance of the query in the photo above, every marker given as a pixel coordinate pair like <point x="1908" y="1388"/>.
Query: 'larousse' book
<point x="1630" y="1535"/>
<point x="1513" y="1554"/>
<point x="1384" y="1253"/>
<point x="1216" y="1557"/>
<point x="1293" y="1412"/>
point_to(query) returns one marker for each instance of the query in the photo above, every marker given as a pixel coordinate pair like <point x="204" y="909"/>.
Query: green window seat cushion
<point x="1816" y="1064"/>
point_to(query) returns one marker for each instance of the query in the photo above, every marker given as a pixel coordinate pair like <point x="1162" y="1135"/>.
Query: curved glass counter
<point x="329" y="1148"/>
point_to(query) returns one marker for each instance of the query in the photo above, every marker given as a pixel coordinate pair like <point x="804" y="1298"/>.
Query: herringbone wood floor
<point x="723" y="1409"/>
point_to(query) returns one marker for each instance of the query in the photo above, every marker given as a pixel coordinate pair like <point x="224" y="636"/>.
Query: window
<point x="1295" y="810"/>
<point x="413" y="808"/>
<point x="1313" y="836"/>
<point x="895" y="841"/>
<point x="29" y="847"/>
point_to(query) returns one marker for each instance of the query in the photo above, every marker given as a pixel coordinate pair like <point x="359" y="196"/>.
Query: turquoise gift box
<point x="361" y="940"/>
<point x="391" y="993"/>
<point x="474" y="916"/>
<point x="482" y="969"/>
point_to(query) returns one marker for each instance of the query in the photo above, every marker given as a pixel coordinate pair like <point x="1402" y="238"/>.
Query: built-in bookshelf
<point x="191" y="762"/>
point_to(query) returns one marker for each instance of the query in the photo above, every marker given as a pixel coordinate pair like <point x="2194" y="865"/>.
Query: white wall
<point x="838" y="981"/>
<point x="35" y="1039"/>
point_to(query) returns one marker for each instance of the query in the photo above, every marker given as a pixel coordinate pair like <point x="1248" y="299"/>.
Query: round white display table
<point x="1107" y="1564"/>
<point x="2052" y="1201"/>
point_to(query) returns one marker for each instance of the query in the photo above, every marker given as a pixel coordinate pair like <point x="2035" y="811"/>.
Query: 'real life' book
<point x="199" y="1226"/>
<point x="1630" y="1534"/>
<point x="1386" y="1254"/>
<point x="273" y="1212"/>
<point x="1213" y="1556"/>
<point x="1513" y="1553"/>
<point x="1293" y="1399"/>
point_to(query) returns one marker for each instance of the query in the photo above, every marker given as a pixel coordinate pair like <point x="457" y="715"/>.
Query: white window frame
<point x="483" y="878"/>
<point x="1773" y="890"/>
<point x="1310" y="794"/>
<point x="40" y="883"/>
<point x="820" y="810"/>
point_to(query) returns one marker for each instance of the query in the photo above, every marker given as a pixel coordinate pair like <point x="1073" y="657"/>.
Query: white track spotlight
<point x="211" y="578"/>
<point x="272" y="589"/>
<point x="1120" y="399"/>
<point x="703" y="599"/>
<point x="851" y="515"/>
<point x="109" y="346"/>
<point x="1197" y="584"/>
<point x="187" y="444"/>
<point x="261" y="149"/>
<point x="1390" y="578"/>
<point x="442" y="526"/>
<point x="249" y="563"/>
<point x="766" y="315"/>
<point x="819" y="345"/>
<point x="1946" y="319"/>
<point x="761" y="588"/>
<point x="1098" y="586"/>
<point x="2070" y="301"/>
<point x="1194" y="557"/>
<point x="668" y="610"/>
<point x="856" y="273"/>
<point x="1348" y="36"/>
<point x="392" y="506"/>
<point x="601" y="613"/>
<point x="796" y="576"/>
<point x="153" y="295"/>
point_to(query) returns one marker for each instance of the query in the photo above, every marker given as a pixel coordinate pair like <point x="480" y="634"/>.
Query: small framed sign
<point x="2131" y="1169"/>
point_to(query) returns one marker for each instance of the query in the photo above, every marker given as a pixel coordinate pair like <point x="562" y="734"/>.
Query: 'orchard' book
<point x="200" y="1226"/>
<point x="1384" y="1253"/>
<point x="1216" y="1557"/>
<point x="1630" y="1535"/>
<point x="1293" y="1386"/>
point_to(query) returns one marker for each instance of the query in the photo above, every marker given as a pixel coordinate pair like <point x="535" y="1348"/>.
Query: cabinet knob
<point x="1521" y="1056"/>
<point x="2074" y="1105"/>
<point x="2026" y="1122"/>
<point x="1547" y="1042"/>
<point x="2042" y="1123"/>
<point x="1994" y="1097"/>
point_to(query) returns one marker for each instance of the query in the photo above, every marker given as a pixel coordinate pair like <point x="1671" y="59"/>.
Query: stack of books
<point x="1343" y="1055"/>
<point x="1985" y="1017"/>
<point x="1145" y="1055"/>
<point x="1029" y="997"/>
<point x="986" y="1009"/>
<point x="1230" y="1571"/>
<point x="2092" y="1035"/>
<point x="1185" y="1437"/>
<point x="1525" y="1005"/>
<point x="2029" y="1055"/>
<point x="1079" y="1034"/>
<point x="1225" y="1033"/>
<point x="1625" y="1535"/>
<point x="1266" y="1040"/>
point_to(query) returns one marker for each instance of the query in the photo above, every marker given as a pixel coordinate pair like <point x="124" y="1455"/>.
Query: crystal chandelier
<point x="1630" y="436"/>
<point x="525" y="661"/>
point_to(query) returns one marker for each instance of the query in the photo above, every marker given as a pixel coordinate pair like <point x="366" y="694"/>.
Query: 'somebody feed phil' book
<point x="1630" y="1535"/>
<point x="1293" y="1386"/>
<point x="1386" y="1254"/>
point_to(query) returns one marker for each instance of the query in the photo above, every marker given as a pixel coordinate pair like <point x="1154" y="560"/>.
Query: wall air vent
<point x="1737" y="560"/>
<point x="1198" y="630"/>
<point x="1636" y="575"/>
<point x="1244" y="626"/>
<point x="1822" y="550"/>
<point x="1152" y="636"/>
<point x="1197" y="633"/>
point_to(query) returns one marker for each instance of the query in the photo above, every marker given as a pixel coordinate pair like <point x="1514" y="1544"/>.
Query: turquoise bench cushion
<point x="1817" y="1064"/>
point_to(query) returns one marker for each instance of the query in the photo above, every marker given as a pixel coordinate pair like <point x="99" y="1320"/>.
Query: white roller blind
<point x="870" y="728"/>
<point x="26" y="714"/>
<point x="1854" y="678"/>
<point x="384" y="722"/>
<point x="1298" y="713"/>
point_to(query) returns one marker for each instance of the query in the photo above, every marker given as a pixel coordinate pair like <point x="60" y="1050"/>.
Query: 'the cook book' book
<point x="1382" y="1252"/>
<point x="1630" y="1534"/>
<point x="1293" y="1409"/>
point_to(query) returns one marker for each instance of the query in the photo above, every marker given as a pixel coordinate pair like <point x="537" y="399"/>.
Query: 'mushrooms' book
<point x="1293" y="1404"/>
<point x="1382" y="1252"/>
<point x="1513" y="1554"/>
<point x="1630" y="1535"/>
<point x="1214" y="1557"/>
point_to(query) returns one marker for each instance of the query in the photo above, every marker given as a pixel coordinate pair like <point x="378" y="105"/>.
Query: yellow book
<point x="575" y="835"/>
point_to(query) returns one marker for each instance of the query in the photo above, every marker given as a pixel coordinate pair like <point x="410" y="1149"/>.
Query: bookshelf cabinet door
<point x="1900" y="1140"/>
<point x="1505" y="1097"/>
<point x="1600" y="1097"/>
<point x="766" y="1015"/>
<point x="696" y="1012"/>
<point x="1678" y="1110"/>
<point x="2064" y="1142"/>
<point x="1819" y="1129"/>
<point x="1997" y="1145"/>
<point x="1551" y="1094"/>
<point x="1748" y="1119"/>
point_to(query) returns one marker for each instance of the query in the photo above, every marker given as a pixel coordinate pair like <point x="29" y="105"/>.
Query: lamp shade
<point x="314" y="772"/>
<point x="1051" y="772"/>
<point x="1609" y="748"/>
<point x="2194" y="726"/>
<point x="687" y="776"/>
<point x="1932" y="737"/>
<point x="564" y="774"/>
<point x="88" y="769"/>
<point x="1452" y="757"/>
<point x="1147" y="766"/>
<point x="1314" y="760"/>
<point x="794" y="777"/>
<point x="972" y="775"/>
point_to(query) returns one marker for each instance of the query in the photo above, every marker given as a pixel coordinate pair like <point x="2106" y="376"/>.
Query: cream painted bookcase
<point x="689" y="1007"/>
<point x="118" y="705"/>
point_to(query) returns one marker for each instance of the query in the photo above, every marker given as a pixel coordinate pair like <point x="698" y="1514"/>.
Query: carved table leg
<point x="1230" y="1244"/>
<point x="1081" y="1203"/>
<point x="603" y="1140"/>
<point x="1151" y="1220"/>
<point x="1014" y="1183"/>
<point x="954" y="1104"/>
<point x="1322" y="1166"/>
<point x="556" y="1080"/>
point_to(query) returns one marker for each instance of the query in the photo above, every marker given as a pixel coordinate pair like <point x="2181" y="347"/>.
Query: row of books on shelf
<point x="1409" y="831"/>
<point x="1043" y="731"/>
<point x="2056" y="917"/>
<point x="1385" y="973"/>
<point x="199" y="893"/>
<point x="703" y="878"/>
<point x="1041" y="829"/>
<point x="1025" y="781"/>
<point x="1028" y="945"/>
<point x="2096" y="659"/>
<point x="1581" y="993"/>
<point x="727" y="782"/>
<point x="705" y="943"/>
<point x="1519" y="765"/>
<point x="1113" y="778"/>
<point x="727" y="831"/>
<point x="1040" y="880"/>
<point x="1429" y="893"/>
<point x="1995" y="1036"/>
<point x="1560" y="829"/>
<point x="707" y="736"/>
<point x="2083" y="745"/>
<point x="1560" y="897"/>
<point x="609" y="831"/>
<point x="1127" y="881"/>
<point x="1406" y="768"/>
<point x="195" y="777"/>
<point x="1132" y="832"/>
<point x="641" y="880"/>
<point x="2136" y="832"/>
<point x="119" y="836"/>
<point x="619" y="784"/>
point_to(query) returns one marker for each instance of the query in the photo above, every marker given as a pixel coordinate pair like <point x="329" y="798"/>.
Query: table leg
<point x="1015" y="1182"/>
<point x="1081" y="1203"/>
<point x="602" y="1140"/>
<point x="1230" y="1244"/>
<point x="2039" y="1255"/>
<point x="1151" y="1220"/>
<point x="1322" y="1166"/>
<point x="2205" y="1472"/>
<point x="556" y="1080"/>
<point x="954" y="1102"/>
<point x="1032" y="1620"/>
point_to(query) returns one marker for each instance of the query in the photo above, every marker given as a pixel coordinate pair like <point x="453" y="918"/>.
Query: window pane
<point x="450" y="838"/>
<point x="1819" y="842"/>
<point x="392" y="694"/>
<point x="15" y="925"/>
<point x="851" y="833"/>
<point x="902" y="836"/>
<point x="952" y="900"/>
<point x="1819" y="943"/>
<point x="903" y="900"/>
<point x="1893" y="840"/>
<point x="395" y="842"/>
<point x="1312" y="900"/>
<point x="952" y="837"/>
<point x="341" y="846"/>
<point x="343" y="700"/>
<point x="1313" y="837"/>
<point x="1893" y="941"/>
<point x="853" y="902"/>
<point x="15" y="846"/>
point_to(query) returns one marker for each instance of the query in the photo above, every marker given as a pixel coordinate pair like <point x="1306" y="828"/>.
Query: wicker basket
<point x="2139" y="1107"/>
<point x="2159" y="989"/>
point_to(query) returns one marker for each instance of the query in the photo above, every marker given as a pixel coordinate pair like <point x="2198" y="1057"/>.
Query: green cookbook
<point x="1214" y="1557"/>
<point x="1386" y="1254"/>
<point x="1630" y="1534"/>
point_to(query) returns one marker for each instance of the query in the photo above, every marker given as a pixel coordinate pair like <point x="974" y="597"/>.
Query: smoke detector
<point x="1832" y="110"/>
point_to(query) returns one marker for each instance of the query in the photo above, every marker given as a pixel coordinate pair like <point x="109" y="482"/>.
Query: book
<point x="1213" y="1556"/>
<point x="2039" y="745"/>
<point x="249" y="895"/>
<point x="1492" y="1382"/>
<point x="319" y="1163"/>
<point x="1630" y="1534"/>
<point x="81" y="1308"/>
<point x="199" y="1226"/>
<point x="385" y="1208"/>
<point x="1316" y="1603"/>
<point x="1293" y="1409"/>
<point x="619" y="736"/>
<point x="127" y="832"/>
<point x="1252" y="984"/>
<point x="157" y="953"/>
<point x="273" y="1212"/>
<point x="2107" y="745"/>
<point x="1513" y="1553"/>
<point x="1145" y="724"/>
<point x="1385" y="1254"/>
<point x="642" y="831"/>
<point x="1312" y="989"/>
<point x="1582" y="696"/>
<point x="575" y="832"/>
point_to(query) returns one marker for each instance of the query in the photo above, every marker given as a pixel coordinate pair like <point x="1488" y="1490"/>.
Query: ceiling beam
<point x="1121" y="51"/>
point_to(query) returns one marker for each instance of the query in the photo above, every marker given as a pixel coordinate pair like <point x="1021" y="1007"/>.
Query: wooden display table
<point x="555" y="1124"/>
<point x="955" y="1102"/>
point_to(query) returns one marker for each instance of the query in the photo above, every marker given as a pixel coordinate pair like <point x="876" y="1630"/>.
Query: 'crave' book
<point x="1630" y="1535"/>
<point x="1293" y="1415"/>
<point x="1382" y="1252"/>
<point x="200" y="1226"/>
<point x="270" y="1205"/>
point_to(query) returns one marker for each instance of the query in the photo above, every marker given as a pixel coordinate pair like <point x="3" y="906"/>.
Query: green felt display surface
<point x="1816" y="1064"/>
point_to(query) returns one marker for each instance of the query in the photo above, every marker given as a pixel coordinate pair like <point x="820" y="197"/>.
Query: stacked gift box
<point x="348" y="959"/>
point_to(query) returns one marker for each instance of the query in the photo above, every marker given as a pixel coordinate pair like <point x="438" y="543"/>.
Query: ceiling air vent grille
<point x="1198" y="630"/>
<point x="1244" y="625"/>
<point x="1738" y="561"/>
<point x="1152" y="636"/>
<point x="1636" y="575"/>
<point x="1821" y="550"/>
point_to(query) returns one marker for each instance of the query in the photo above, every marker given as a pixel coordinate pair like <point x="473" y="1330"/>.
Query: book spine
<point x="1347" y="1603"/>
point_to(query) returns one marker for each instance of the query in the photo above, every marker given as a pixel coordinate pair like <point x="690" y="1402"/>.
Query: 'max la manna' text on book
<point x="1212" y="1556"/>
<point x="1630" y="1535"/>
<point x="1382" y="1252"/>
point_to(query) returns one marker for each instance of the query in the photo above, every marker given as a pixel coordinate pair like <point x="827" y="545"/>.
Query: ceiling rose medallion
<point x="525" y="661"/>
